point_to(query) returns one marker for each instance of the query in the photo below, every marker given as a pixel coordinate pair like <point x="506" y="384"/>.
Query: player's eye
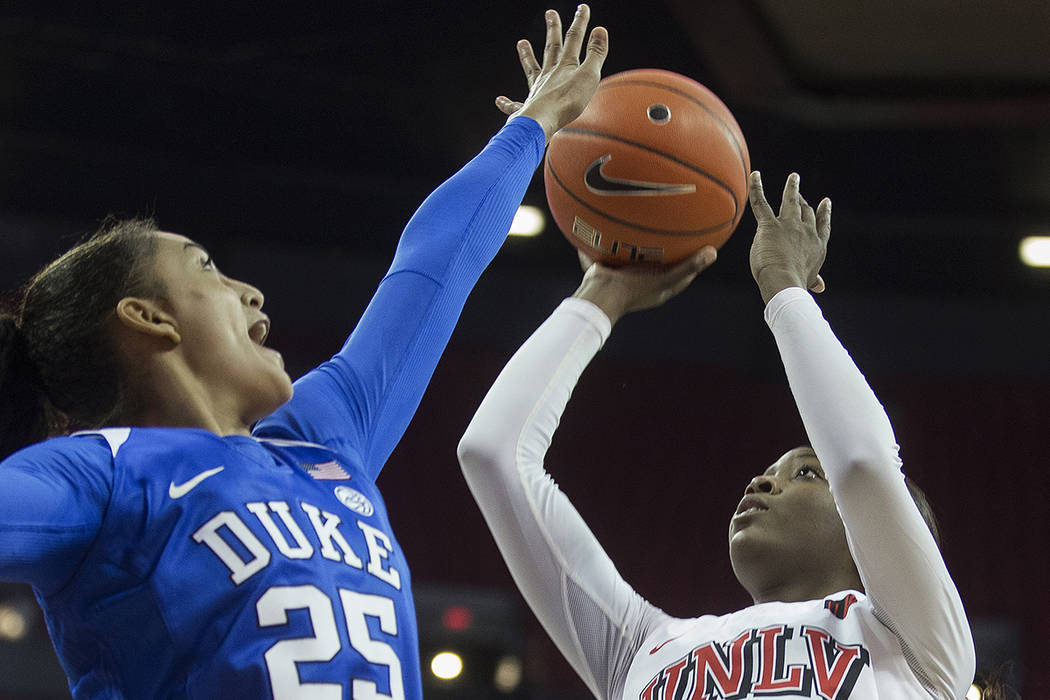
<point x="807" y="473"/>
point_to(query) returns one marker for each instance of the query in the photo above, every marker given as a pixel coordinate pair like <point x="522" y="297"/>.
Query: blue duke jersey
<point x="176" y="563"/>
<point x="254" y="567"/>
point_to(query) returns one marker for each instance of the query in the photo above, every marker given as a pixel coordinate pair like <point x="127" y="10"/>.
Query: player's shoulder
<point x="102" y="446"/>
<point x="123" y="440"/>
<point x="842" y="606"/>
<point x="73" y="446"/>
<point x="72" y="455"/>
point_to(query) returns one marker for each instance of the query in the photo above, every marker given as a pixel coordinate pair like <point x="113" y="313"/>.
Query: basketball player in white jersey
<point x="851" y="596"/>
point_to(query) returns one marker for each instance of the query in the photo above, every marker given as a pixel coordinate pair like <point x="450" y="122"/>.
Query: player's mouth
<point x="750" y="505"/>
<point x="259" y="330"/>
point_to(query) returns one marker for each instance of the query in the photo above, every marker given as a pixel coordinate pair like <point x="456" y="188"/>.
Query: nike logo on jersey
<point x="661" y="645"/>
<point x="180" y="490"/>
<point x="599" y="183"/>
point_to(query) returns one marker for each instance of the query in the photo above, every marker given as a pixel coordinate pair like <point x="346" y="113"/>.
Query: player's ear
<point x="146" y="318"/>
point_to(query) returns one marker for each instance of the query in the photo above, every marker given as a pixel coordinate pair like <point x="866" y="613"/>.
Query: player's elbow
<point x="477" y="452"/>
<point x="864" y="459"/>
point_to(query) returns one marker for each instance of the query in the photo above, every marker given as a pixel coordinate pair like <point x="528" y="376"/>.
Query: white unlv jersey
<point x="833" y="648"/>
<point x="908" y="637"/>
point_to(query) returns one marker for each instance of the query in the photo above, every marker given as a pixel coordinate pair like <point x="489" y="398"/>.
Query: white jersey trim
<point x="116" y="437"/>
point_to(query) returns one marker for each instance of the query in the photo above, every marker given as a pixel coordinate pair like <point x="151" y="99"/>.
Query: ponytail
<point x="58" y="366"/>
<point x="23" y="405"/>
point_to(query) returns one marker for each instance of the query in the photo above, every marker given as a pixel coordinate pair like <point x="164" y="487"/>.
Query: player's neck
<point x="811" y="588"/>
<point x="179" y="400"/>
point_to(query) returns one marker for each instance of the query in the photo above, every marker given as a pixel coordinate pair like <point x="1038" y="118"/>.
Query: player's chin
<point x="284" y="388"/>
<point x="274" y="388"/>
<point x="747" y="536"/>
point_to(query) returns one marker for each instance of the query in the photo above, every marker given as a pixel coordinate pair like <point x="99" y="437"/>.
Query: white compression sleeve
<point x="899" y="563"/>
<point x="597" y="621"/>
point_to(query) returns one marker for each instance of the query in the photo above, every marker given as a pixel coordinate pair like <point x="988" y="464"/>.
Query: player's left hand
<point x="789" y="247"/>
<point x="621" y="290"/>
<point x="561" y="87"/>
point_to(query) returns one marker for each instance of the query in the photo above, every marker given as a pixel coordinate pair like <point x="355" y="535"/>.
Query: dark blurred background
<point x="295" y="140"/>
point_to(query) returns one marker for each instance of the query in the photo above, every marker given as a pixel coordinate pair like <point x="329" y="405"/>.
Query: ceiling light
<point x="528" y="221"/>
<point x="446" y="665"/>
<point x="508" y="675"/>
<point x="1035" y="251"/>
<point x="13" y="623"/>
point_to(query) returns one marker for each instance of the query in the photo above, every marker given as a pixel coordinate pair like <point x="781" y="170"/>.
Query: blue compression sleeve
<point x="52" y="500"/>
<point x="361" y="401"/>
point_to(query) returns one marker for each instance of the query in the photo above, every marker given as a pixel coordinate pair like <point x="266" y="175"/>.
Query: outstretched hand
<point x="562" y="86"/>
<point x="621" y="290"/>
<point x="789" y="247"/>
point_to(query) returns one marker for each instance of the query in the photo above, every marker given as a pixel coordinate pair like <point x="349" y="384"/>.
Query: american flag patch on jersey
<point x="327" y="471"/>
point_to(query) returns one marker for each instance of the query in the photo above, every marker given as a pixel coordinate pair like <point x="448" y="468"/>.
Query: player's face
<point x="222" y="329"/>
<point x="786" y="530"/>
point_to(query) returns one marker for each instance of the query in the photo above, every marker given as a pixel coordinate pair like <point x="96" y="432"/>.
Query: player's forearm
<point x="898" y="560"/>
<point x="366" y="397"/>
<point x="460" y="226"/>
<point x="837" y="406"/>
<point x="541" y="536"/>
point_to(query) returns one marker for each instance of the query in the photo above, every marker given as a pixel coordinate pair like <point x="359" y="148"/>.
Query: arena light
<point x="508" y="674"/>
<point x="1035" y="251"/>
<point x="457" y="618"/>
<point x="528" y="221"/>
<point x="974" y="693"/>
<point x="446" y="665"/>
<point x="13" y="623"/>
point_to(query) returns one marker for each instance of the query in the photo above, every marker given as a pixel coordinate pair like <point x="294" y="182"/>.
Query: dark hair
<point x="57" y="361"/>
<point x="993" y="684"/>
<point x="919" y="497"/>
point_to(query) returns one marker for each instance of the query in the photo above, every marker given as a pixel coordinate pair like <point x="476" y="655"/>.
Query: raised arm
<point x="362" y="400"/>
<point x="593" y="616"/>
<point x="897" y="558"/>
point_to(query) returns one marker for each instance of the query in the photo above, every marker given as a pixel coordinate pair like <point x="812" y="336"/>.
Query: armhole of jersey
<point x="114" y="437"/>
<point x="909" y="656"/>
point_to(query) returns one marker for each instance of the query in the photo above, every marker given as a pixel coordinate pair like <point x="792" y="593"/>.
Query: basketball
<point x="654" y="169"/>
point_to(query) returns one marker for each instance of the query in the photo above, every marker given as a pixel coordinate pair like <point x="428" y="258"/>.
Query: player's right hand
<point x="621" y="290"/>
<point x="560" y="88"/>
<point x="789" y="247"/>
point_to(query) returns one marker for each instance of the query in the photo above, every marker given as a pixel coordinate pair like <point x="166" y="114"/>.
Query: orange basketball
<point x="654" y="169"/>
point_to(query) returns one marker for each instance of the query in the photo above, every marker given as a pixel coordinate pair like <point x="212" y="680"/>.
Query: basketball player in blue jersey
<point x="177" y="551"/>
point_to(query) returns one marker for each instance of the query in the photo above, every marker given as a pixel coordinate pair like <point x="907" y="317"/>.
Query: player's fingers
<point x="693" y="265"/>
<point x="552" y="47"/>
<point x="757" y="196"/>
<point x="585" y="260"/>
<point x="705" y="258"/>
<point x="824" y="219"/>
<point x="507" y="105"/>
<point x="529" y="64"/>
<point x="806" y="210"/>
<point x="597" y="50"/>
<point x="680" y="276"/>
<point x="789" y="204"/>
<point x="818" y="286"/>
<point x="574" y="36"/>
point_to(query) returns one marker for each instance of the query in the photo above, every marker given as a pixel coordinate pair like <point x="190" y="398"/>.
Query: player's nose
<point x="250" y="295"/>
<point x="763" y="483"/>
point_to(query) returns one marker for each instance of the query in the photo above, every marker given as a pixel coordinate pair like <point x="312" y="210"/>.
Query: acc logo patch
<point x="354" y="500"/>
